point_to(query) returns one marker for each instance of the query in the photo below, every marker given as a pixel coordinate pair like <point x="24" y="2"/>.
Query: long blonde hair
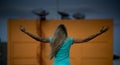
<point x="58" y="38"/>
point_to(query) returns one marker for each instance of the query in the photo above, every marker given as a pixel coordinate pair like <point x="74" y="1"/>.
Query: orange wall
<point x="22" y="49"/>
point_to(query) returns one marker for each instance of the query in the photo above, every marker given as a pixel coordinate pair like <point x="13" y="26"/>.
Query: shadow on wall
<point x="115" y="57"/>
<point x="3" y="53"/>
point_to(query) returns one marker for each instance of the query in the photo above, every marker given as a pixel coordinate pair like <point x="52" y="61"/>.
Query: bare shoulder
<point x="77" y="40"/>
<point x="45" y="40"/>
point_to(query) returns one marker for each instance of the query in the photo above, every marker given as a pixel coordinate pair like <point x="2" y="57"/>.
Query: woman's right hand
<point x="22" y="28"/>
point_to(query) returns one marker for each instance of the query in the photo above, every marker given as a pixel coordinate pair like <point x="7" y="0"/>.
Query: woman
<point x="60" y="43"/>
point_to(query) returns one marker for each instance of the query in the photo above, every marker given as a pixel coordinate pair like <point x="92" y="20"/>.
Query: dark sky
<point x="93" y="9"/>
<point x="23" y="8"/>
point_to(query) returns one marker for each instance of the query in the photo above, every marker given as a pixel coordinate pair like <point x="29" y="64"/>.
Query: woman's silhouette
<point x="60" y="43"/>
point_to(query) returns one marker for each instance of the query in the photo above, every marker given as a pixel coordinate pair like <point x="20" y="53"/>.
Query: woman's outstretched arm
<point x="45" y="40"/>
<point x="102" y="30"/>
